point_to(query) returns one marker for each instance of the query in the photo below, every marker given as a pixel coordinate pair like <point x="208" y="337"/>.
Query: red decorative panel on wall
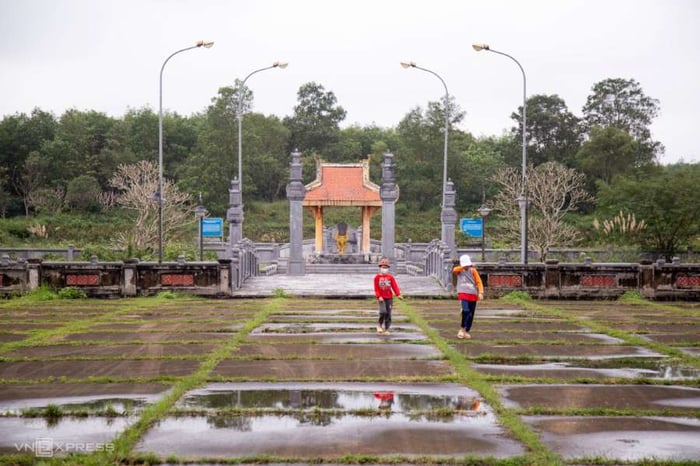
<point x="170" y="279"/>
<point x="598" y="280"/>
<point x="684" y="281"/>
<point x="505" y="280"/>
<point x="83" y="280"/>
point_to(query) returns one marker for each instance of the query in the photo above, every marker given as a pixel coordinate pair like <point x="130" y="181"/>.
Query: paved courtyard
<point x="302" y="378"/>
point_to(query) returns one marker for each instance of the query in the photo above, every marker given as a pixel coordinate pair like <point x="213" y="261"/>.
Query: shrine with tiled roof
<point x="342" y="185"/>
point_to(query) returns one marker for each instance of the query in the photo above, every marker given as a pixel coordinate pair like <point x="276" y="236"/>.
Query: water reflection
<point x="326" y="399"/>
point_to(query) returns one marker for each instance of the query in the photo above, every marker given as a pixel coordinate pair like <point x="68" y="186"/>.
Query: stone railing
<point x="589" y="280"/>
<point x="438" y="263"/>
<point x="131" y="277"/>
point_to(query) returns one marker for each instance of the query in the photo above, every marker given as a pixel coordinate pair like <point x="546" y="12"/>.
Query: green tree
<point x="553" y="132"/>
<point x="20" y="135"/>
<point x="607" y="153"/>
<point x="314" y="127"/>
<point x="83" y="194"/>
<point x="665" y="198"/>
<point x="420" y="155"/>
<point x="621" y="103"/>
<point x="79" y="139"/>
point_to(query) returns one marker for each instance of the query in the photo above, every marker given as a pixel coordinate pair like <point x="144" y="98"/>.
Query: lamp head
<point x="280" y="64"/>
<point x="207" y="44"/>
<point x="410" y="64"/>
<point x="480" y="47"/>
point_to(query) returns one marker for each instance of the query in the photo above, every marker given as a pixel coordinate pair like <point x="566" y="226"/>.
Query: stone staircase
<point x="344" y="269"/>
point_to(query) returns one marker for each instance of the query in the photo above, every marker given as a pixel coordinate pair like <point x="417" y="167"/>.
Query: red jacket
<point x="385" y="286"/>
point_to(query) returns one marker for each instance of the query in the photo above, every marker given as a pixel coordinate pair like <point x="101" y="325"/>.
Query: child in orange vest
<point x="469" y="290"/>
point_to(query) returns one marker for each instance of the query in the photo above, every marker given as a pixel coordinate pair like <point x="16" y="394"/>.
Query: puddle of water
<point x="66" y="435"/>
<point x="620" y="438"/>
<point x="118" y="403"/>
<point x="314" y="327"/>
<point x="563" y="369"/>
<point x="397" y="398"/>
<point x="671" y="372"/>
<point x="314" y="436"/>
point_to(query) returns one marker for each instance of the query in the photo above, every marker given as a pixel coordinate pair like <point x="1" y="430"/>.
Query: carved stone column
<point x="448" y="217"/>
<point x="389" y="193"/>
<point x="295" y="194"/>
<point x="234" y="215"/>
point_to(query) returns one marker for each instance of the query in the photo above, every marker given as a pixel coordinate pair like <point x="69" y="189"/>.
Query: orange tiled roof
<point x="342" y="185"/>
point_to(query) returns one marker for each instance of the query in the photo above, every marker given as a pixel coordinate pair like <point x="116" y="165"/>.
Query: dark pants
<point x="385" y="312"/>
<point x="468" y="310"/>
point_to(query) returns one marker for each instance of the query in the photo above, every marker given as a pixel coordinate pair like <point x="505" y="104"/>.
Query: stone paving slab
<point x="620" y="438"/>
<point x="112" y="351"/>
<point x="353" y="351"/>
<point x="473" y="349"/>
<point x="557" y="371"/>
<point x="330" y="369"/>
<point x="644" y="397"/>
<point x="146" y="336"/>
<point x="26" y="370"/>
<point x="18" y="396"/>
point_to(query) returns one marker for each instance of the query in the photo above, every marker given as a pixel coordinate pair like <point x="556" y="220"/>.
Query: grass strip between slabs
<point x="127" y="440"/>
<point x="630" y="339"/>
<point x="467" y="376"/>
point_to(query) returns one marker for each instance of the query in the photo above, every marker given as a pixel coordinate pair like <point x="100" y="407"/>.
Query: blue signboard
<point x="212" y="227"/>
<point x="472" y="226"/>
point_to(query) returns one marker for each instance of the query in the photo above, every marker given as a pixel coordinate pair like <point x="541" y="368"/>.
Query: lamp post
<point x="200" y="212"/>
<point x="407" y="65"/>
<point x="448" y="214"/>
<point x="484" y="211"/>
<point x="239" y="115"/>
<point x="201" y="43"/>
<point x="522" y="199"/>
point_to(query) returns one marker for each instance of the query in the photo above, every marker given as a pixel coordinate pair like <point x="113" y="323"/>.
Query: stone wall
<point x="552" y="280"/>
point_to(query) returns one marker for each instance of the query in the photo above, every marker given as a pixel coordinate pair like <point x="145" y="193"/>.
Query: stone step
<point x="362" y="269"/>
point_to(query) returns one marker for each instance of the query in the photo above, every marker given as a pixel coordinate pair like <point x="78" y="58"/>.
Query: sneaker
<point x="467" y="336"/>
<point x="386" y="332"/>
<point x="379" y="330"/>
<point x="461" y="333"/>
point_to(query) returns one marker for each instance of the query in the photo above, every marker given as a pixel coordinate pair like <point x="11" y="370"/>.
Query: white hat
<point x="465" y="260"/>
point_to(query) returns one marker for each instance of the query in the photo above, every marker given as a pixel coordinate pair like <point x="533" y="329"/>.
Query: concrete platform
<point x="309" y="380"/>
<point x="335" y="286"/>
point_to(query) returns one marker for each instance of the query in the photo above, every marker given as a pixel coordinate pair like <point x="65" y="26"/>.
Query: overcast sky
<point x="106" y="55"/>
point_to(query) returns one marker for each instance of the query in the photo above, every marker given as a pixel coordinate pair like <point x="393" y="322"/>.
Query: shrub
<point x="71" y="292"/>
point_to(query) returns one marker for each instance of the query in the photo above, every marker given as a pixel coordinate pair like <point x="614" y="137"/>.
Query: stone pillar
<point x="448" y="217"/>
<point x="33" y="274"/>
<point x="130" y="285"/>
<point x="234" y="215"/>
<point x="295" y="194"/>
<point x="389" y="193"/>
<point x="225" y="276"/>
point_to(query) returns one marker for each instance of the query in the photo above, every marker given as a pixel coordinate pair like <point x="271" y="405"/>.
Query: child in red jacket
<point x="385" y="287"/>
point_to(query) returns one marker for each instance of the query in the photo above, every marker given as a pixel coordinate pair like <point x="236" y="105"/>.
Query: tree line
<point x="603" y="163"/>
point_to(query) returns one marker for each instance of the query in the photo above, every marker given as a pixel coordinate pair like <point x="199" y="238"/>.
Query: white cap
<point x="465" y="260"/>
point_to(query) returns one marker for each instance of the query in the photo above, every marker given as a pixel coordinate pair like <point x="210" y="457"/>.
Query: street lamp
<point x="484" y="211"/>
<point x="201" y="43"/>
<point x="522" y="199"/>
<point x="407" y="65"/>
<point x="239" y="115"/>
<point x="200" y="212"/>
